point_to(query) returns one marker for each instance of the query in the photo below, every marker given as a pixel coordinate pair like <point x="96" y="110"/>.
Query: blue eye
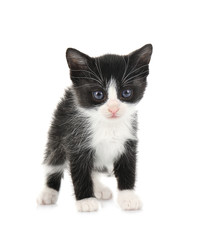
<point x="98" y="95"/>
<point x="126" y="93"/>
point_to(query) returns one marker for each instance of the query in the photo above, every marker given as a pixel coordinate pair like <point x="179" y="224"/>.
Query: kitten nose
<point x="113" y="106"/>
<point x="113" y="110"/>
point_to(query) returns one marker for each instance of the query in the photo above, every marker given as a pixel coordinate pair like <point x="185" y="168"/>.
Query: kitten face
<point x="114" y="108"/>
<point x="109" y="85"/>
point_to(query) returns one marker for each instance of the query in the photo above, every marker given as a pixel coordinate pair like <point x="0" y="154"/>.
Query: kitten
<point x="94" y="128"/>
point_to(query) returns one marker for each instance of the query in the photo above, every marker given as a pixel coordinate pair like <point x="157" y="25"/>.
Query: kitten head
<point x="110" y="85"/>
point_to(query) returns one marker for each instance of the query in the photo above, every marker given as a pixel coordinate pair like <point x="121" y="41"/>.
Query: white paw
<point x="87" y="205"/>
<point x="128" y="200"/>
<point x="103" y="193"/>
<point x="47" y="196"/>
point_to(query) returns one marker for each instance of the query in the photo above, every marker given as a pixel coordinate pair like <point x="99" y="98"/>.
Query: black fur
<point x="81" y="166"/>
<point x="54" y="180"/>
<point x="125" y="167"/>
<point x="69" y="136"/>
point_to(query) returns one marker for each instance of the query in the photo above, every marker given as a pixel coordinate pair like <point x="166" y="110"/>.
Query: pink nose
<point x="113" y="110"/>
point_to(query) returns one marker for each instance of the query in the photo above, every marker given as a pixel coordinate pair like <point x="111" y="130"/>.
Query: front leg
<point x="81" y="165"/>
<point x="125" y="169"/>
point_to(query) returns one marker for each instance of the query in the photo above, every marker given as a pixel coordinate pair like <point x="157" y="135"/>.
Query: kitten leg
<point x="49" y="194"/>
<point x="124" y="170"/>
<point x="81" y="172"/>
<point x="100" y="191"/>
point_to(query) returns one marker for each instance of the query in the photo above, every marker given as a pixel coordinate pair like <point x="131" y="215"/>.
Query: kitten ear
<point x="141" y="56"/>
<point x="76" y="59"/>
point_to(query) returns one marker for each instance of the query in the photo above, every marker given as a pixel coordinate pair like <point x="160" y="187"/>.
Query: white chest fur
<point x="108" y="140"/>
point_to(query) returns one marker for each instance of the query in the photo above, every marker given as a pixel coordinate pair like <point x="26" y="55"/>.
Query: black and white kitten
<point x="94" y="128"/>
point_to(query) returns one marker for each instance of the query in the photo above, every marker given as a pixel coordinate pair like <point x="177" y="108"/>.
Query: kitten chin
<point x="94" y="128"/>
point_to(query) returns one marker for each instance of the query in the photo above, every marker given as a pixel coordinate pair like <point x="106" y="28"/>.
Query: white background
<point x="34" y="36"/>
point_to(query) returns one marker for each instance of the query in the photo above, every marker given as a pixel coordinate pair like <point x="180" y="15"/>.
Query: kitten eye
<point x="126" y="93"/>
<point x="98" y="95"/>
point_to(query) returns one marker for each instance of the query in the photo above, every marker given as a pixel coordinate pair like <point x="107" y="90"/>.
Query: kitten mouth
<point x="113" y="116"/>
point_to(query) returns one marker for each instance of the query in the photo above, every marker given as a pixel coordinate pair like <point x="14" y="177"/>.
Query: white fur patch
<point x="101" y="191"/>
<point x="87" y="205"/>
<point x="47" y="196"/>
<point x="48" y="169"/>
<point x="112" y="94"/>
<point x="128" y="200"/>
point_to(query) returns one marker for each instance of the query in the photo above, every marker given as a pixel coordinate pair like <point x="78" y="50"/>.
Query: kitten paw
<point x="47" y="196"/>
<point x="87" y="205"/>
<point x="103" y="193"/>
<point x="128" y="200"/>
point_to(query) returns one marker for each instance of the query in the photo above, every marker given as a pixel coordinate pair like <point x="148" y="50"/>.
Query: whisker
<point x="130" y="72"/>
<point x="93" y="73"/>
<point x="125" y="84"/>
<point x="135" y="76"/>
<point x="126" y="67"/>
<point x="98" y="69"/>
<point x="100" y="83"/>
<point x="84" y="85"/>
<point x="134" y="70"/>
<point x="87" y="72"/>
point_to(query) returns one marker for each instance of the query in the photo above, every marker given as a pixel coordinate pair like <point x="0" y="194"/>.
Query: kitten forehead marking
<point x="112" y="93"/>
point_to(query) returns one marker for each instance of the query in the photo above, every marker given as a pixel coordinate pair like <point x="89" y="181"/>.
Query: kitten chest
<point x="108" y="141"/>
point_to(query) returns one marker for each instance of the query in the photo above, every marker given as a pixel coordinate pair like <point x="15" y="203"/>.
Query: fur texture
<point x="94" y="126"/>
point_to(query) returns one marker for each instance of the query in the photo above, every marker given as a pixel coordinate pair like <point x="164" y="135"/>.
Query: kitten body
<point x="94" y="128"/>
